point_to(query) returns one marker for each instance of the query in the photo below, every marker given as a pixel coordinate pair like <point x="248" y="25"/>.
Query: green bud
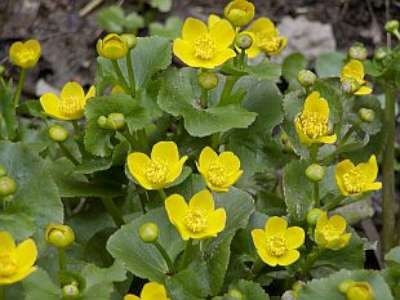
<point x="3" y="171"/>
<point x="244" y="40"/>
<point x="70" y="291"/>
<point x="102" y="122"/>
<point x="7" y="186"/>
<point x="392" y="26"/>
<point x="130" y="39"/>
<point x="58" y="133"/>
<point x="115" y="121"/>
<point x="2" y="69"/>
<point x="358" y="51"/>
<point x="381" y="53"/>
<point x="345" y="285"/>
<point x="315" y="172"/>
<point x="149" y="232"/>
<point x="208" y="80"/>
<point x="306" y="78"/>
<point x="313" y="216"/>
<point x="366" y="114"/>
<point x="286" y="144"/>
<point x="235" y="293"/>
<point x="59" y="235"/>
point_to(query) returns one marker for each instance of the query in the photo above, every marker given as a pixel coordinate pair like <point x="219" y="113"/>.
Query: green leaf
<point x="297" y="190"/>
<point x="265" y="71"/>
<point x="177" y="98"/>
<point x="161" y="5"/>
<point x="20" y="224"/>
<point x="111" y="19"/>
<point x="171" y="29"/>
<point x="133" y="22"/>
<point x="291" y="66"/>
<point x="8" y="121"/>
<point x="327" y="288"/>
<point x="250" y="290"/>
<point x="329" y="64"/>
<point x="393" y="255"/>
<point x="142" y="259"/>
<point x="40" y="286"/>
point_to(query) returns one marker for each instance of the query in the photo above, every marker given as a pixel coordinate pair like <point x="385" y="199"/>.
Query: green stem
<point x="313" y="150"/>
<point x="162" y="194"/>
<point x="226" y="92"/>
<point x="20" y="85"/>
<point x="215" y="140"/>
<point x="76" y="126"/>
<point x="186" y="255"/>
<point x="310" y="260"/>
<point x="113" y="211"/>
<point x="317" y="202"/>
<point x="388" y="211"/>
<point x="131" y="74"/>
<point x="68" y="154"/>
<point x="242" y="59"/>
<point x="204" y="98"/>
<point x="62" y="261"/>
<point x="121" y="77"/>
<point x="165" y="256"/>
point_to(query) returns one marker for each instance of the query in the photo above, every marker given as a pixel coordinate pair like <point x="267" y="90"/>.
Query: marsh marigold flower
<point x="312" y="123"/>
<point x="205" y="47"/>
<point x="112" y="46"/>
<point x="197" y="220"/>
<point x="352" y="74"/>
<point x="330" y="233"/>
<point x="357" y="290"/>
<point x="25" y="54"/>
<point x="276" y="244"/>
<point x="219" y="171"/>
<point x="353" y="180"/>
<point x="150" y="291"/>
<point x="239" y="12"/>
<point x="70" y="104"/>
<point x="59" y="235"/>
<point x="162" y="168"/>
<point x="266" y="38"/>
<point x="16" y="261"/>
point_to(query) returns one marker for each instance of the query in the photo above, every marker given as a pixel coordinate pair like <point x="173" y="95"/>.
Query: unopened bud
<point x="239" y="12"/>
<point x="102" y="122"/>
<point x="59" y="235"/>
<point x="381" y="53"/>
<point x="244" y="40"/>
<point x="115" y="121"/>
<point x="2" y="69"/>
<point x="358" y="51"/>
<point x="130" y="39"/>
<point x="356" y="290"/>
<point x="315" y="172"/>
<point x="3" y="171"/>
<point x="306" y="78"/>
<point x="58" y="133"/>
<point x="236" y="294"/>
<point x="313" y="216"/>
<point x="208" y="80"/>
<point x="70" y="291"/>
<point x="8" y="186"/>
<point x="148" y="232"/>
<point x="366" y="114"/>
<point x="392" y="26"/>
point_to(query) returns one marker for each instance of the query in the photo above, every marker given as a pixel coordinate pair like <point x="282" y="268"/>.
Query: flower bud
<point x="358" y="51"/>
<point x="306" y="78"/>
<point x="356" y="290"/>
<point x="208" y="80"/>
<point x="381" y="53"/>
<point x="244" y="40"/>
<point x="315" y="172"/>
<point x="117" y="89"/>
<point x="112" y="47"/>
<point x="25" y="54"/>
<point x="366" y="114"/>
<point x="236" y="294"/>
<point x="239" y="12"/>
<point x="286" y="144"/>
<point x="58" y="133"/>
<point x="2" y="69"/>
<point x="7" y="186"/>
<point x="130" y="39"/>
<point x="59" y="235"/>
<point x="70" y="291"/>
<point x="313" y="216"/>
<point x="3" y="171"/>
<point x="149" y="232"/>
<point x="392" y="26"/>
<point x="115" y="121"/>
<point x="102" y="122"/>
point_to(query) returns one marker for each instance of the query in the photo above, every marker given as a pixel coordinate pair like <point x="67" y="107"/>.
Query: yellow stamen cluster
<point x="195" y="220"/>
<point x="314" y="125"/>
<point x="8" y="264"/>
<point x="276" y="246"/>
<point x="156" y="172"/>
<point x="204" y="47"/>
<point x="354" y="181"/>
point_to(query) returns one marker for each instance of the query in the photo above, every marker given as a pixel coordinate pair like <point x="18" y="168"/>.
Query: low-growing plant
<point x="231" y="177"/>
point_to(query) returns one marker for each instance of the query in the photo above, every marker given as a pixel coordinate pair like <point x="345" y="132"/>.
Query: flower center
<point x="204" y="47"/>
<point x="330" y="233"/>
<point x="217" y="174"/>
<point x="354" y="181"/>
<point x="8" y="265"/>
<point x="25" y="55"/>
<point x="269" y="43"/>
<point x="276" y="245"/>
<point x="195" y="220"/>
<point x="314" y="125"/>
<point x="70" y="106"/>
<point x="156" y="172"/>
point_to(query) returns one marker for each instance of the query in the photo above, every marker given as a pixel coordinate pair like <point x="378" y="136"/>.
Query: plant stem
<point x="258" y="265"/>
<point x="226" y="92"/>
<point x="121" y="77"/>
<point x="76" y="126"/>
<point x="388" y="211"/>
<point x="61" y="259"/>
<point x="20" y="85"/>
<point x="131" y="74"/>
<point x="113" y="211"/>
<point x="186" y="254"/>
<point x="317" y="202"/>
<point x="204" y="98"/>
<point x="165" y="256"/>
<point x="68" y="154"/>
<point x="310" y="260"/>
<point x="162" y="194"/>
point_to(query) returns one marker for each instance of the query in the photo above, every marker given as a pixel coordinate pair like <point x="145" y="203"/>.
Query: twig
<point x="88" y="8"/>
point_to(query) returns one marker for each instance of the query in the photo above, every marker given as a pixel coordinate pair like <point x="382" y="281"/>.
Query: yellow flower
<point x="353" y="180"/>
<point x="353" y="74"/>
<point x="312" y="124"/>
<point x="112" y="46"/>
<point x="25" y="54"/>
<point x="70" y="104"/>
<point x="16" y="262"/>
<point x="163" y="168"/>
<point x="267" y="38"/>
<point x="203" y="47"/>
<point x="276" y="244"/>
<point x="150" y="291"/>
<point x="197" y="220"/>
<point x="357" y="290"/>
<point x="239" y="12"/>
<point x="219" y="171"/>
<point x="331" y="233"/>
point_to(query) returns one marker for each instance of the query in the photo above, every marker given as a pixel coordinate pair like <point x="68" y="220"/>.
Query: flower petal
<point x="341" y="169"/>
<point x="222" y="33"/>
<point x="213" y="19"/>
<point x="185" y="52"/>
<point x="166" y="152"/>
<point x="216" y="221"/>
<point x="328" y="139"/>
<point x="153" y="291"/>
<point x="266" y="258"/>
<point x="131" y="297"/>
<point x="364" y="90"/>
<point x="176" y="208"/>
<point x="220" y="58"/>
<point x="344" y="240"/>
<point x="91" y="93"/>
<point x="192" y="29"/>
<point x="50" y="106"/>
<point x="16" y="277"/>
<point x="27" y="254"/>
<point x="207" y="156"/>
<point x="259" y="238"/>
<point x="72" y="89"/>
<point x="315" y="103"/>
<point x="354" y="69"/>
<point x="7" y="243"/>
<point x="263" y="25"/>
<point x="175" y="170"/>
<point x="230" y="161"/>
<point x="338" y="222"/>
<point x="375" y="186"/>
<point x="322" y="221"/>
<point x="137" y="164"/>
<point x="275" y="225"/>
<point x="288" y="258"/>
<point x="202" y="200"/>
<point x="34" y="46"/>
<point x="294" y="237"/>
<point x="369" y="169"/>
